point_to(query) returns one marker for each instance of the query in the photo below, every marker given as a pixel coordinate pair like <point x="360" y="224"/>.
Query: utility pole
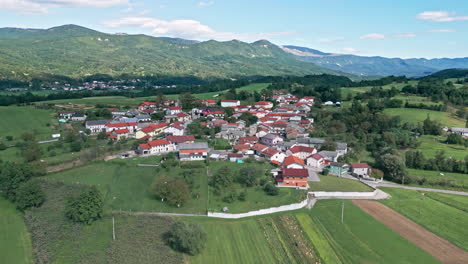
<point x="113" y="228"/>
<point x="342" y="211"/>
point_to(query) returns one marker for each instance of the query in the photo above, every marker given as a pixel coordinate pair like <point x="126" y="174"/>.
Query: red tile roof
<point x="122" y="131"/>
<point x="180" y="139"/>
<point x="158" y="126"/>
<point x="316" y="156"/>
<point x="291" y="160"/>
<point x="122" y="124"/>
<point x="148" y="129"/>
<point x="259" y="147"/>
<point x="175" y="108"/>
<point x="241" y="147"/>
<point x="158" y="142"/>
<point x="297" y="149"/>
<point x="270" y="152"/>
<point x="230" y="101"/>
<point x="360" y="165"/>
<point x="263" y="103"/>
<point x="145" y="146"/>
<point x="295" y="172"/>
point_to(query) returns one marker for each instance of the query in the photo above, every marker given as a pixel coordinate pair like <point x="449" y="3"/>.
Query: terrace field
<point x="443" y="214"/>
<point x="412" y="115"/>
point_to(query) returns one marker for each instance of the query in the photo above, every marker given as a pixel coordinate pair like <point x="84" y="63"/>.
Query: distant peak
<point x="262" y="42"/>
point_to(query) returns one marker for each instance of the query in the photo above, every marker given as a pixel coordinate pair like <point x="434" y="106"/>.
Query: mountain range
<point x="76" y="51"/>
<point x="375" y="66"/>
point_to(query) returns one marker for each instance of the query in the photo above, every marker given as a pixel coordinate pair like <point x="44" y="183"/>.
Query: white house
<point x="229" y="103"/>
<point x="96" y="126"/>
<point x="175" y="129"/>
<point x="315" y="161"/>
<point x="273" y="155"/>
<point x="361" y="169"/>
<point x="173" y="110"/>
<point x="264" y="104"/>
<point x="155" y="147"/>
<point x="301" y="152"/>
<point x="293" y="162"/>
<point x="459" y="130"/>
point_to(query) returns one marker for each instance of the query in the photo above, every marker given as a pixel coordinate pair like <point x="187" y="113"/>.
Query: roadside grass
<point x="458" y="181"/>
<point x="414" y="116"/>
<point x="58" y="240"/>
<point x="266" y="239"/>
<point x="336" y="184"/>
<point x="360" y="239"/>
<point x="15" y="240"/>
<point x="430" y="145"/>
<point x="440" y="214"/>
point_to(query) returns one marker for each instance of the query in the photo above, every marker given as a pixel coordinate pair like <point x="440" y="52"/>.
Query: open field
<point x="119" y="101"/>
<point x="359" y="239"/>
<point x="363" y="89"/>
<point x="430" y="145"/>
<point x="271" y="239"/>
<point x="438" y="247"/>
<point x="459" y="180"/>
<point x="413" y="115"/>
<point x="445" y="219"/>
<point x="332" y="183"/>
<point x="15" y="241"/>
<point x="414" y="99"/>
<point x="17" y="120"/>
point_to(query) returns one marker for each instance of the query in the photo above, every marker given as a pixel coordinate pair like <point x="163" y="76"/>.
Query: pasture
<point x="457" y="181"/>
<point x="336" y="184"/>
<point x="15" y="241"/>
<point x="430" y="145"/>
<point x="16" y="120"/>
<point x="441" y="214"/>
<point x="414" y="116"/>
<point x="359" y="239"/>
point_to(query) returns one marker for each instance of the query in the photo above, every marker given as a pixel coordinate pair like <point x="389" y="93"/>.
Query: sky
<point x="389" y="28"/>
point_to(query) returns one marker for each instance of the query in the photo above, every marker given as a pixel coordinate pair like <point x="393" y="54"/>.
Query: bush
<point x="186" y="237"/>
<point x="2" y="146"/>
<point x="29" y="194"/>
<point x="242" y="196"/>
<point x="85" y="208"/>
<point x="271" y="189"/>
<point x="325" y="172"/>
<point x="9" y="138"/>
<point x="230" y="197"/>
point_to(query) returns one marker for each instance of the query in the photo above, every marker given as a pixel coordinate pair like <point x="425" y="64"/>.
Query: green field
<point x="443" y="214"/>
<point x="413" y="115"/>
<point x="413" y="99"/>
<point x="360" y="239"/>
<point x="270" y="239"/>
<point x="460" y="180"/>
<point x="430" y="145"/>
<point x="355" y="90"/>
<point x="336" y="184"/>
<point x="18" y="120"/>
<point x="15" y="241"/>
<point x="119" y="101"/>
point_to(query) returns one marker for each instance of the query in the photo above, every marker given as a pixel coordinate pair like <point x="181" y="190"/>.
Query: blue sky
<point x="398" y="28"/>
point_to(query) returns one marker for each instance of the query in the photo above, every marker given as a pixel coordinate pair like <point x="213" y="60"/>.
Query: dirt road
<point x="438" y="247"/>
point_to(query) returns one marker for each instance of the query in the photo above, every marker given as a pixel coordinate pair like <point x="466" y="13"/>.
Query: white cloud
<point x="440" y="16"/>
<point x="331" y="40"/>
<point x="350" y="50"/>
<point x="185" y="28"/>
<point x="373" y="36"/>
<point x="442" y="30"/>
<point x="42" y="6"/>
<point x="205" y="3"/>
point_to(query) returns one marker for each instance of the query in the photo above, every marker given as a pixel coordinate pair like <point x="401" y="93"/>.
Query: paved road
<point x="393" y="185"/>
<point x="155" y="213"/>
<point x="313" y="177"/>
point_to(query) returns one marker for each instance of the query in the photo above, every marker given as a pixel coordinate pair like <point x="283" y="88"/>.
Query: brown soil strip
<point x="439" y="248"/>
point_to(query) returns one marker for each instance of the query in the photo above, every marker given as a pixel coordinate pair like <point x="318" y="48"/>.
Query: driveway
<point x="313" y="177"/>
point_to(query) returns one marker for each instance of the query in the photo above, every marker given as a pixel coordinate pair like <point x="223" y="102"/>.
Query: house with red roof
<point x="241" y="147"/>
<point x="248" y="140"/>
<point x="273" y="155"/>
<point x="176" y="140"/>
<point x="183" y="117"/>
<point x="173" y="110"/>
<point x="147" y="105"/>
<point x="151" y="130"/>
<point x="293" y="162"/>
<point x="361" y="169"/>
<point x="112" y="125"/>
<point x="119" y="134"/>
<point x="175" y="129"/>
<point x="301" y="152"/>
<point x="230" y="103"/>
<point x="271" y="139"/>
<point x="156" y="147"/>
<point x="315" y="161"/>
<point x="292" y="178"/>
<point x="209" y="102"/>
<point x="259" y="148"/>
<point x="264" y="104"/>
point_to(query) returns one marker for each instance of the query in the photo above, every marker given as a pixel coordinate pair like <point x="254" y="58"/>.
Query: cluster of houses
<point x="280" y="135"/>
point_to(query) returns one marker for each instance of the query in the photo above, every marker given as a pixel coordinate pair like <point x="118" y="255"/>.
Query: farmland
<point x="15" y="241"/>
<point x="415" y="116"/>
<point x="359" y="239"/>
<point x="441" y="214"/>
<point x="333" y="183"/>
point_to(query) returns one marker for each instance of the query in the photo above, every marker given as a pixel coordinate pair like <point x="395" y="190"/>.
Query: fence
<point x="342" y="195"/>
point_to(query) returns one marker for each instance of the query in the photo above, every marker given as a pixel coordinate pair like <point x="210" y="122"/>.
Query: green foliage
<point x="325" y="172"/>
<point x="222" y="179"/>
<point x="454" y="138"/>
<point x="175" y="191"/>
<point x="29" y="194"/>
<point x="393" y="167"/>
<point x="249" y="176"/>
<point x="186" y="237"/>
<point x="12" y="175"/>
<point x="85" y="208"/>
<point x="271" y="189"/>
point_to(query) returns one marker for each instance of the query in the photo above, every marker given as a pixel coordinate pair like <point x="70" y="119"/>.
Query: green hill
<point x="76" y="51"/>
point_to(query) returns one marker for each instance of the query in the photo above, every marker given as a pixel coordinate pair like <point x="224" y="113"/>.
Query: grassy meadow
<point x="332" y="183"/>
<point x="17" y="120"/>
<point x="413" y="115"/>
<point x="15" y="240"/>
<point x="359" y="239"/>
<point x="458" y="180"/>
<point x="443" y="214"/>
<point x="430" y="145"/>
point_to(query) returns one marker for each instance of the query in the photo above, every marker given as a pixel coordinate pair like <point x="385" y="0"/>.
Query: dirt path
<point x="438" y="247"/>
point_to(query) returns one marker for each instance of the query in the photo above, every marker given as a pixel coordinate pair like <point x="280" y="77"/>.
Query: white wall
<point x="342" y="194"/>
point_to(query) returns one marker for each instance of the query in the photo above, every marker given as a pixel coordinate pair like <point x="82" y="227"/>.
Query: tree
<point x="431" y="127"/>
<point x="248" y="176"/>
<point x="12" y="175"/>
<point x="454" y="138"/>
<point x="328" y="145"/>
<point x="185" y="237"/>
<point x="75" y="146"/>
<point x="85" y="208"/>
<point x="188" y="101"/>
<point x="271" y="189"/>
<point x="393" y="167"/>
<point x="179" y="193"/>
<point x="248" y="118"/>
<point x="29" y="194"/>
<point x="221" y="179"/>
<point x="161" y="187"/>
<point x="31" y="151"/>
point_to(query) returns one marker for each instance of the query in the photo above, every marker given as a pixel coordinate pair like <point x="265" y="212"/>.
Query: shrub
<point x="29" y="194"/>
<point x="85" y="208"/>
<point x="2" y="146"/>
<point x="230" y="197"/>
<point x="325" y="172"/>
<point x="271" y="189"/>
<point x="186" y="237"/>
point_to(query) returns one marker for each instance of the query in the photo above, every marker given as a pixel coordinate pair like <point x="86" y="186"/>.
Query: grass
<point x="119" y="101"/>
<point x="355" y="90"/>
<point x="17" y="120"/>
<point x="413" y="99"/>
<point x="430" y="145"/>
<point x="459" y="181"/>
<point x="15" y="241"/>
<point x="336" y="184"/>
<point x="58" y="240"/>
<point x="360" y="239"/>
<point x="442" y="214"/>
<point x="414" y="116"/>
<point x="270" y="239"/>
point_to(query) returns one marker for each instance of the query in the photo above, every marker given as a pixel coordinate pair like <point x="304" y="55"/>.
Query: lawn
<point x="413" y="115"/>
<point x="58" y="240"/>
<point x="444" y="215"/>
<point x="459" y="181"/>
<point x="17" y="120"/>
<point x="430" y="145"/>
<point x="268" y="239"/>
<point x="336" y="184"/>
<point x="15" y="241"/>
<point x="359" y="239"/>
